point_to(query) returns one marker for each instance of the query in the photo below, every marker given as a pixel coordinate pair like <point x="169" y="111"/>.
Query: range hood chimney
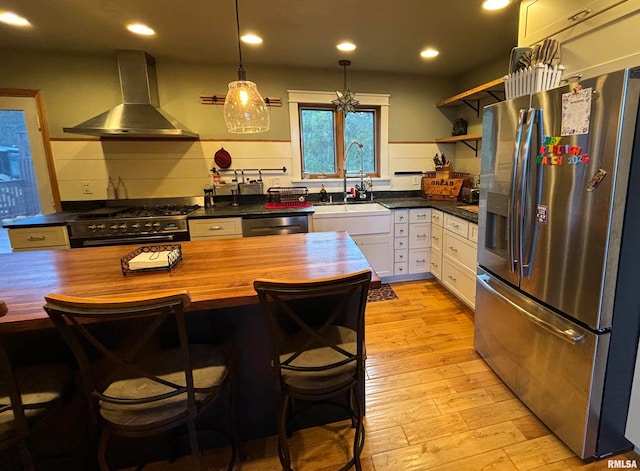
<point x="140" y="115"/>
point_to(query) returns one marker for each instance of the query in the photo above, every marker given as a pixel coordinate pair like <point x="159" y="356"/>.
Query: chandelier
<point x="346" y="101"/>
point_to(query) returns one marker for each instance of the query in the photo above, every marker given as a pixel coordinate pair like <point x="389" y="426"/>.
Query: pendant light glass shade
<point x="245" y="111"/>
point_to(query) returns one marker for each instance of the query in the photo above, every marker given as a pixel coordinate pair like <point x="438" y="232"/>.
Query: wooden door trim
<point x="46" y="137"/>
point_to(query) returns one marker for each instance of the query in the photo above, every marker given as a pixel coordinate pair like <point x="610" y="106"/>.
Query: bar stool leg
<point x="283" y="447"/>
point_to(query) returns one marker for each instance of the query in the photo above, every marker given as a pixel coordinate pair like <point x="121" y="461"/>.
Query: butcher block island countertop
<point x="217" y="273"/>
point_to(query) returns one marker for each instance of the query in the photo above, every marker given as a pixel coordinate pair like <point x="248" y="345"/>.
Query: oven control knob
<point x="156" y="225"/>
<point x="100" y="227"/>
<point x="135" y="226"/>
<point x="91" y="227"/>
<point x="147" y="226"/>
<point x="123" y="227"/>
<point x="113" y="227"/>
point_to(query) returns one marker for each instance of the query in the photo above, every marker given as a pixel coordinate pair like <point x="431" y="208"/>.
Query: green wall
<point x="77" y="87"/>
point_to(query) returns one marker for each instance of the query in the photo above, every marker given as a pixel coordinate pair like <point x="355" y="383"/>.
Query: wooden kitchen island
<point x="219" y="275"/>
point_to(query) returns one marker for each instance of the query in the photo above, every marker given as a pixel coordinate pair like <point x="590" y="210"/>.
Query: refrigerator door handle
<point x="529" y="237"/>
<point x="516" y="187"/>
<point x="568" y="334"/>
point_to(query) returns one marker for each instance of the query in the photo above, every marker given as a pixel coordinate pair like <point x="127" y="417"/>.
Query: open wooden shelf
<point x="472" y="98"/>
<point x="493" y="89"/>
<point x="465" y="139"/>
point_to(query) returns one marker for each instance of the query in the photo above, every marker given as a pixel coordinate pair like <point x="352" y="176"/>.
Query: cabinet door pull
<point x="421" y="235"/>
<point x="421" y="215"/>
<point x="452" y="278"/>
<point x="34" y="238"/>
<point x="453" y="249"/>
<point x="215" y="228"/>
<point x="581" y="14"/>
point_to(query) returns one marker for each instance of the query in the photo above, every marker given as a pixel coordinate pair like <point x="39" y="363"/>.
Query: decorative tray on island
<point x="151" y="258"/>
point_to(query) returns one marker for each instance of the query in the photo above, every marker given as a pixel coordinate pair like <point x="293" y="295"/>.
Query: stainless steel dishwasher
<point x="274" y="225"/>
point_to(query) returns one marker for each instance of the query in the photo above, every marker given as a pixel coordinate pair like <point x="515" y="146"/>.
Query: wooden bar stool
<point x="151" y="383"/>
<point x="28" y="394"/>
<point x="316" y="329"/>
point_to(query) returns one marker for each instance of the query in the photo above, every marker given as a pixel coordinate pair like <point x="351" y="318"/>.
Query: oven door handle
<point x="130" y="240"/>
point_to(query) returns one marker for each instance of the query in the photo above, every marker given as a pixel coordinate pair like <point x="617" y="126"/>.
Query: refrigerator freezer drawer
<point x="554" y="366"/>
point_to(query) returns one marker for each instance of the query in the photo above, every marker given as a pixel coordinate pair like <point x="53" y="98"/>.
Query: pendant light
<point x="245" y="111"/>
<point x="346" y="101"/>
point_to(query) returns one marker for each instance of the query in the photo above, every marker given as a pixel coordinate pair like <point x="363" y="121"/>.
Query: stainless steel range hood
<point x="140" y="115"/>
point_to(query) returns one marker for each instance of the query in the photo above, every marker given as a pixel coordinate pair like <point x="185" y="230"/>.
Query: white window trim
<point x="318" y="97"/>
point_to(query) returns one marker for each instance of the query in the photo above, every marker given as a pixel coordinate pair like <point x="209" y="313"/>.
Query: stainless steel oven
<point x="136" y="223"/>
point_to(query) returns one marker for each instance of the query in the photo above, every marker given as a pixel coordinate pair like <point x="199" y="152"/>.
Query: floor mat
<point x="384" y="293"/>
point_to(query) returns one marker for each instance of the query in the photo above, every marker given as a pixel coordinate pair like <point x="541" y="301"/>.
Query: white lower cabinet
<point x="378" y="250"/>
<point x="371" y="233"/>
<point x="459" y="255"/>
<point x="437" y="219"/>
<point x="411" y="243"/>
<point x="39" y="238"/>
<point x="436" y="263"/>
<point x="459" y="281"/>
<point x="215" y="228"/>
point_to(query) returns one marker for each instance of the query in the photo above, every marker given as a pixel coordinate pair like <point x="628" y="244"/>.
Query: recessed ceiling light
<point x="346" y="46"/>
<point x="141" y="29"/>
<point x="495" y="4"/>
<point x="13" y="19"/>
<point x="429" y="53"/>
<point x="251" y="39"/>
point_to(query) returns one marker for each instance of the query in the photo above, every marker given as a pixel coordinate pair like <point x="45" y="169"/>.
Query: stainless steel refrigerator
<point x="558" y="288"/>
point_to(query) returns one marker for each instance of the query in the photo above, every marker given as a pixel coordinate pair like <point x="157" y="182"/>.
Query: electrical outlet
<point x="86" y="188"/>
<point x="416" y="180"/>
<point x="275" y="181"/>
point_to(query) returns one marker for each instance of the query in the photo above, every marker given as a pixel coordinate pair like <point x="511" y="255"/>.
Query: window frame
<point x="340" y="144"/>
<point x="367" y="100"/>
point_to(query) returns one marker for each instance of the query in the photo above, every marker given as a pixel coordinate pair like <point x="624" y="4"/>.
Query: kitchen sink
<point x="349" y="210"/>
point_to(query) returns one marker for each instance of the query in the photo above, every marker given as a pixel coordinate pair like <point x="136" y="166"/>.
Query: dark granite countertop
<point x="258" y="210"/>
<point x="456" y="208"/>
<point x="54" y="219"/>
<point x="225" y="210"/>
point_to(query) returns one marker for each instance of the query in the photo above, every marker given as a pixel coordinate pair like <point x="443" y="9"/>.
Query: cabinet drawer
<point x="400" y="243"/>
<point x="460" y="282"/>
<point x="215" y="228"/>
<point x="457" y="225"/>
<point x="401" y="230"/>
<point x="436" y="237"/>
<point x="419" y="236"/>
<point x="34" y="238"/>
<point x="419" y="215"/>
<point x="401" y="255"/>
<point x="401" y="215"/>
<point x="419" y="261"/>
<point x="436" y="263"/>
<point x="401" y="268"/>
<point x="460" y="250"/>
<point x="473" y="233"/>
<point x="437" y="217"/>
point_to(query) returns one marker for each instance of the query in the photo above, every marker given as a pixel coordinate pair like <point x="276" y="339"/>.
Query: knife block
<point x="444" y="171"/>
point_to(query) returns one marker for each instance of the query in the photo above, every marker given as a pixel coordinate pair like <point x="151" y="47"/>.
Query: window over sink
<point x="320" y="135"/>
<point x="325" y="134"/>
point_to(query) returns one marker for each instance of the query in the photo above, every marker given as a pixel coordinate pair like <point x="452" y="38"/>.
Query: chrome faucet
<point x="344" y="176"/>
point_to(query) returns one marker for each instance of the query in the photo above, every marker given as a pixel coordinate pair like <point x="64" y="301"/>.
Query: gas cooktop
<point x="138" y="211"/>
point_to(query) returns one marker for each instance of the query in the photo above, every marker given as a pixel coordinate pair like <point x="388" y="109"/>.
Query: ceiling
<point x="297" y="33"/>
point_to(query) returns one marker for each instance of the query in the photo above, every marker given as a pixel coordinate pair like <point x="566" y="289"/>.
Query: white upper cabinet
<point x="541" y="19"/>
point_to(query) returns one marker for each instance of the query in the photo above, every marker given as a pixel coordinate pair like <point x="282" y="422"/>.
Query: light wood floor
<point x="432" y="403"/>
